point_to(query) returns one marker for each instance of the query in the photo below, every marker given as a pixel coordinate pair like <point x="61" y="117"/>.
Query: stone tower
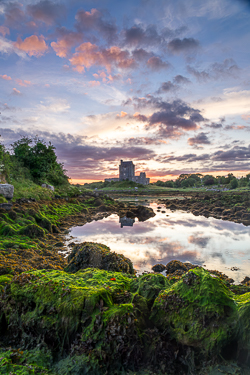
<point x="126" y="170"/>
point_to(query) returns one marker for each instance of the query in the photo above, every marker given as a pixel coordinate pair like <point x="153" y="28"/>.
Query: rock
<point x="7" y="191"/>
<point x="159" y="268"/>
<point x="246" y="280"/>
<point x="91" y="254"/>
<point x="199" y="311"/>
<point x="144" y="213"/>
<point x="6" y="206"/>
<point x="32" y="231"/>
<point x="176" y="265"/>
<point x="50" y="187"/>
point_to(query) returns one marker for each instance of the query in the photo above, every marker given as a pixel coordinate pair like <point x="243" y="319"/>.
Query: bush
<point x="234" y="183"/>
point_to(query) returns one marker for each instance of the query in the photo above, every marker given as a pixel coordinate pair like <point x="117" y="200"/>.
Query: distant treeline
<point x="198" y="180"/>
<point x="115" y="184"/>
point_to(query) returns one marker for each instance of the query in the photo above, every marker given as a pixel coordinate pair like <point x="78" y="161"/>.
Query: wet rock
<point x="12" y="215"/>
<point x="90" y="254"/>
<point x="246" y="280"/>
<point x="176" y="265"/>
<point x="6" y="206"/>
<point x="198" y="310"/>
<point x="32" y="231"/>
<point x="7" y="191"/>
<point x="50" y="187"/>
<point x="144" y="213"/>
<point x="159" y="268"/>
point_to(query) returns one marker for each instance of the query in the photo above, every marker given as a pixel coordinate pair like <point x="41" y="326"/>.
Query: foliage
<point x="234" y="183"/>
<point x="113" y="185"/>
<point x="40" y="159"/>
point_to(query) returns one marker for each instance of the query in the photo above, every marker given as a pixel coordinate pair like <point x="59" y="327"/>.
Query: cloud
<point x="172" y="118"/>
<point x="199" y="139"/>
<point x="4" y="30"/>
<point x="16" y="92"/>
<point x="123" y="114"/>
<point x="228" y="68"/>
<point x="167" y="87"/>
<point x="66" y="40"/>
<point x="46" y="11"/>
<point x="23" y="83"/>
<point x="33" y="45"/>
<point x="199" y="239"/>
<point x="179" y="79"/>
<point x="177" y="45"/>
<point x="156" y="63"/>
<point x="5" y="77"/>
<point x="55" y="105"/>
<point x="138" y="36"/>
<point x="88" y="55"/>
<point x="96" y="20"/>
<point x="14" y="15"/>
<point x="94" y="83"/>
<point x="8" y="47"/>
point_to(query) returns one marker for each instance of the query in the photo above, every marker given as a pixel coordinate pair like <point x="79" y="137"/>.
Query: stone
<point x="7" y="190"/>
<point x="158" y="268"/>
<point x="50" y="187"/>
<point x="90" y="254"/>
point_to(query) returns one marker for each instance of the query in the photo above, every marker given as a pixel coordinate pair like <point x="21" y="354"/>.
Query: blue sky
<point x="162" y="83"/>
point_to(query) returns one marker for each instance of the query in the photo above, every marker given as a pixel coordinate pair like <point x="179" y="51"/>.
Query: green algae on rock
<point x="198" y="311"/>
<point x="90" y="254"/>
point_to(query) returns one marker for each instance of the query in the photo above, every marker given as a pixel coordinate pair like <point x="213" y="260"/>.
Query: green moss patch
<point x="198" y="310"/>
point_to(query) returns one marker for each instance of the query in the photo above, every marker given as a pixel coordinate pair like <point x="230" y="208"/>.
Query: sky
<point x="165" y="83"/>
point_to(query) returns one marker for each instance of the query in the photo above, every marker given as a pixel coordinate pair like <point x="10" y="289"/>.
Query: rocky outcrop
<point x="50" y="187"/>
<point x="90" y="254"/>
<point x="96" y="321"/>
<point x="7" y="191"/>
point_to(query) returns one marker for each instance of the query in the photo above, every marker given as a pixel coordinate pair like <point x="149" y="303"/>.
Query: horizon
<point x="164" y="85"/>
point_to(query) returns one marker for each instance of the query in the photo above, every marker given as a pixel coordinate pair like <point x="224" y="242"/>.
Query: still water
<point x="209" y="242"/>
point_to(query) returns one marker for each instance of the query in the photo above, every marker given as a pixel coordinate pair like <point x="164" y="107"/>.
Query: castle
<point x="127" y="172"/>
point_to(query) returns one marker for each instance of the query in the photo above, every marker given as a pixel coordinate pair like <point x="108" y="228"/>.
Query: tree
<point x="234" y="183"/>
<point x="40" y="159"/>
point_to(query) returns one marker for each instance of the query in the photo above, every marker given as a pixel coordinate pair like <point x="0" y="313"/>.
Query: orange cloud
<point x="66" y="41"/>
<point x="123" y="114"/>
<point x="33" y="45"/>
<point x="23" y="83"/>
<point x="7" y="78"/>
<point x="16" y="92"/>
<point x="88" y="54"/>
<point x="245" y="117"/>
<point x="94" y="83"/>
<point x="4" y="30"/>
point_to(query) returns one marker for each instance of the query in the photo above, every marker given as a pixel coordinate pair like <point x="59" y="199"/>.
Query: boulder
<point x="50" y="187"/>
<point x="7" y="191"/>
<point x="91" y="254"/>
<point x="158" y="268"/>
<point x="198" y="311"/>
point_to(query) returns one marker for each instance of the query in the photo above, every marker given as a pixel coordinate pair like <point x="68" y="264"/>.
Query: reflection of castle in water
<point x="126" y="221"/>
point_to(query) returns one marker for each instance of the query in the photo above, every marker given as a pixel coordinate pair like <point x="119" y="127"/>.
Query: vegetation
<point x="96" y="321"/>
<point x="113" y="185"/>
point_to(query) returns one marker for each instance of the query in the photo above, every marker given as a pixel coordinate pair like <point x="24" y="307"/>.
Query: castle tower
<point x="126" y="170"/>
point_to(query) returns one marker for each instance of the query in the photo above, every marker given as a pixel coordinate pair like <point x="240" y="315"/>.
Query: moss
<point x="243" y="302"/>
<point x="2" y="199"/>
<point x="198" y="310"/>
<point x="32" y="231"/>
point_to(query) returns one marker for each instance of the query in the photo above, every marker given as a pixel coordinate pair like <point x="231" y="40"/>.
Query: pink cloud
<point x="123" y="114"/>
<point x="67" y="40"/>
<point x="94" y="83"/>
<point x="23" y="83"/>
<point x="33" y="45"/>
<point x="245" y="117"/>
<point x="88" y="54"/>
<point x="7" y="78"/>
<point x="4" y="30"/>
<point x="16" y="92"/>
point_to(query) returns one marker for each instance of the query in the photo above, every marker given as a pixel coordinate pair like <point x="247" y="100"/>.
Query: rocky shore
<point x="227" y="206"/>
<point x="90" y="314"/>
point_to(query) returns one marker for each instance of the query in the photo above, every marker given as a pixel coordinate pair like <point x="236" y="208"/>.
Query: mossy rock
<point x="91" y="254"/>
<point x="7" y="229"/>
<point x="198" y="311"/>
<point x="32" y="231"/>
<point x="243" y="302"/>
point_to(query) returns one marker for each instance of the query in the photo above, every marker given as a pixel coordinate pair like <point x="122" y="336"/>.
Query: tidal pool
<point x="211" y="243"/>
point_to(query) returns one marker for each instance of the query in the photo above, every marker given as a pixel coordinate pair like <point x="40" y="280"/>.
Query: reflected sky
<point x="212" y="243"/>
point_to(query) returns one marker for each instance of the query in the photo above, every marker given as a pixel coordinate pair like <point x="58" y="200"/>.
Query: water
<point x="209" y="242"/>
